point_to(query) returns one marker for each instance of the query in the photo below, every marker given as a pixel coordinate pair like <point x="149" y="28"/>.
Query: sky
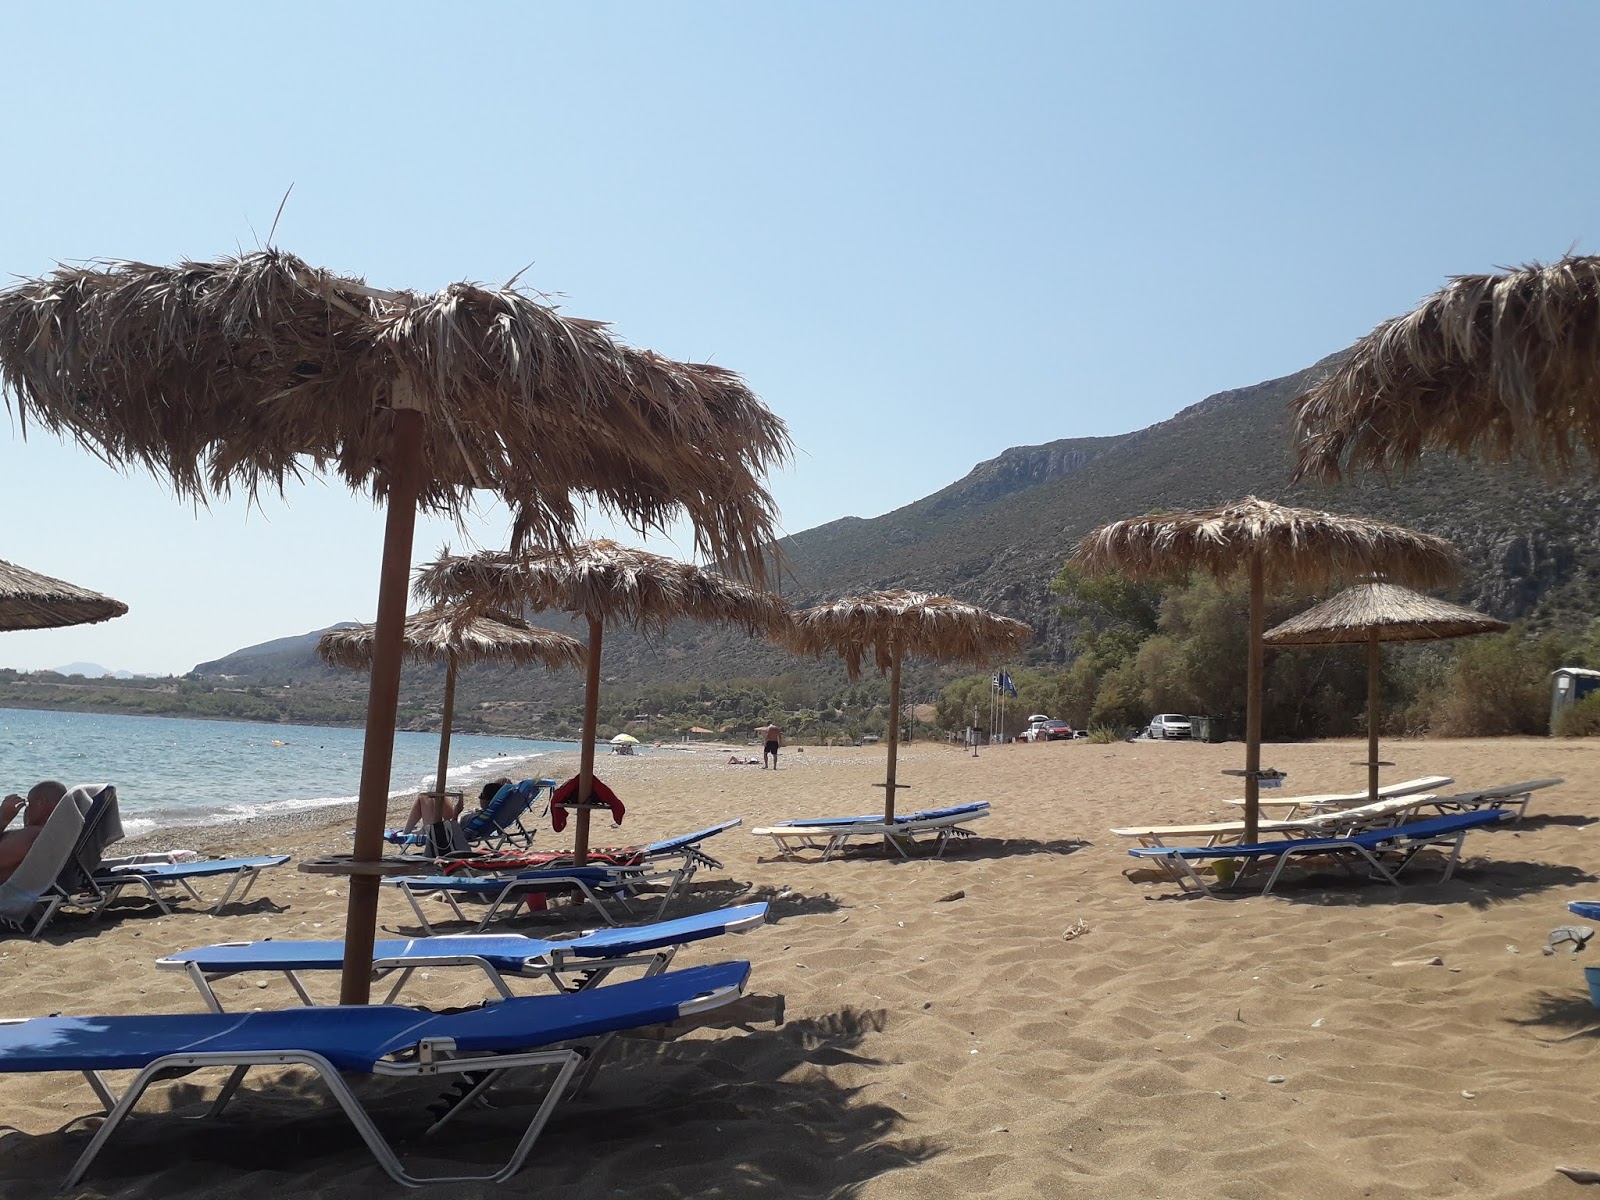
<point x="923" y="232"/>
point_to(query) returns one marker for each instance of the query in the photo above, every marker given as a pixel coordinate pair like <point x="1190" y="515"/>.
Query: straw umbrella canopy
<point x="29" y="600"/>
<point x="455" y="636"/>
<point x="890" y="626"/>
<point x="1494" y="366"/>
<point x="1371" y="613"/>
<point x="243" y="373"/>
<point x="604" y="584"/>
<point x="1292" y="546"/>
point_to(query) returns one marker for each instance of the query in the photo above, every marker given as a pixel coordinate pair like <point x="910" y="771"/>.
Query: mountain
<point x="94" y="671"/>
<point x="286" y="653"/>
<point x="999" y="535"/>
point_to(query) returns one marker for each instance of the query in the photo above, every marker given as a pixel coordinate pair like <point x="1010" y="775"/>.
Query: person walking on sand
<point x="774" y="739"/>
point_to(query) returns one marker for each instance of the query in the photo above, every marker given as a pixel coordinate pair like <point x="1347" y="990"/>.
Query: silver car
<point x="1168" y="725"/>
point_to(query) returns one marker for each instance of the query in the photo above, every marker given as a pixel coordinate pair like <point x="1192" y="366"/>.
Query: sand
<point x="1018" y="1019"/>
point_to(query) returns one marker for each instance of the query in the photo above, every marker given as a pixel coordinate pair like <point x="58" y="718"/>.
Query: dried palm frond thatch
<point x="890" y="626"/>
<point x="1495" y="366"/>
<point x="1373" y="613"/>
<point x="1292" y="546"/>
<point x="893" y="624"/>
<point x="29" y="600"/>
<point x="450" y="634"/>
<point x="606" y="584"/>
<point x="1393" y="613"/>
<point x="603" y="581"/>
<point x="242" y="373"/>
<point x="456" y="635"/>
<point x="1295" y="546"/>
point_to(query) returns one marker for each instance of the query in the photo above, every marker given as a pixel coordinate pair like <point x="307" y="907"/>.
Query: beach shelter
<point x="1492" y="366"/>
<point x="1290" y="546"/>
<point x="29" y="600"/>
<point x="246" y="372"/>
<point x="891" y="626"/>
<point x="1369" y="614"/>
<point x="455" y="636"/>
<point x="603" y="584"/>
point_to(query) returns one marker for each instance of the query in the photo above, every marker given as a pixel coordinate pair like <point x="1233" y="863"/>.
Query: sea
<point x="171" y="771"/>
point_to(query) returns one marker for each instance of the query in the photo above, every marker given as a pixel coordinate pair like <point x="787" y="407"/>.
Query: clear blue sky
<point x="924" y="232"/>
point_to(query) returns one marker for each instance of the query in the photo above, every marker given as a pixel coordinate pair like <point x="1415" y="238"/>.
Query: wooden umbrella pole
<point x="1252" y="720"/>
<point x="439" y="778"/>
<point x="1374" y="663"/>
<point x="894" y="736"/>
<point x="591" y="720"/>
<point x="383" y="697"/>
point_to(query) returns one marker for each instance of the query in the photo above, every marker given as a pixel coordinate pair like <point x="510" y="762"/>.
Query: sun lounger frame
<point x="557" y="961"/>
<point x="833" y="835"/>
<point x="153" y="877"/>
<point x="1370" y="846"/>
<point x="428" y="1058"/>
<point x="514" y="889"/>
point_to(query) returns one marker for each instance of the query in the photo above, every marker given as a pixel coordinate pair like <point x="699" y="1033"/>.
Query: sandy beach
<point x="1018" y="1019"/>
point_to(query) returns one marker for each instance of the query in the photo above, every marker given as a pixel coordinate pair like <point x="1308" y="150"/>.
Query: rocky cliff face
<point x="1021" y="467"/>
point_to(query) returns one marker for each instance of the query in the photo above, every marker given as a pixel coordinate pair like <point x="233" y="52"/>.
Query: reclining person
<point x="40" y="803"/>
<point x="439" y="814"/>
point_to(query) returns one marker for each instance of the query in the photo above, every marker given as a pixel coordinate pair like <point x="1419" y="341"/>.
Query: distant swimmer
<point x="275" y="742"/>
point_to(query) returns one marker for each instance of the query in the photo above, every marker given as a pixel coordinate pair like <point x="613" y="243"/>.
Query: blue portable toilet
<point x="1568" y="685"/>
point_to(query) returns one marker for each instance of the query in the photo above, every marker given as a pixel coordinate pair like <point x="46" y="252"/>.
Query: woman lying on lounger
<point x="14" y="843"/>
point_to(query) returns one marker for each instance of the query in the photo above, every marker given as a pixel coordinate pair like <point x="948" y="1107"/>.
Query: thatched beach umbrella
<point x="455" y="636"/>
<point x="605" y="584"/>
<point x="29" y="600"/>
<point x="1295" y="546"/>
<point x="241" y="374"/>
<point x="891" y="626"/>
<point x="1372" y="613"/>
<point x="1492" y="366"/>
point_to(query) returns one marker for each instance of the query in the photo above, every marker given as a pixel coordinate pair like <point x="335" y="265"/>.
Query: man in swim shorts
<point x="774" y="737"/>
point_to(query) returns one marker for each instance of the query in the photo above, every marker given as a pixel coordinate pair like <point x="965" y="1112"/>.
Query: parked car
<point x="1056" y="731"/>
<point x="1169" y="725"/>
<point x="1045" y="729"/>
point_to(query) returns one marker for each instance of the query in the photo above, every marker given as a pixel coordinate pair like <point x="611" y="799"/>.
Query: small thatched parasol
<point x="890" y="626"/>
<point x="1497" y="366"/>
<point x="605" y="584"/>
<point x="1371" y="613"/>
<point x="1291" y="545"/>
<point x="455" y="636"/>
<point x="29" y="600"/>
<point x="244" y="372"/>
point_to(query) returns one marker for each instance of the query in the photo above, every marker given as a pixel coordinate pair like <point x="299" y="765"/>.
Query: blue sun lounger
<point x="830" y="834"/>
<point x="156" y="878"/>
<point x="481" y="1044"/>
<point x="1404" y="841"/>
<point x="502" y="823"/>
<point x="505" y="892"/>
<point x="571" y="964"/>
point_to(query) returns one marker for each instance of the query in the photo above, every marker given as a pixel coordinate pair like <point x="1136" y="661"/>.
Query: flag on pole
<point x="1003" y="680"/>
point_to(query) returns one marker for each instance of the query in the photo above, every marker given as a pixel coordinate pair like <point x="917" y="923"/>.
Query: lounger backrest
<point x="682" y="842"/>
<point x="39" y="869"/>
<point x="102" y="825"/>
<point x="508" y="805"/>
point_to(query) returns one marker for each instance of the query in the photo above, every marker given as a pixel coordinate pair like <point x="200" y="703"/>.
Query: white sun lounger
<point x="1317" y="824"/>
<point x="1292" y="804"/>
<point x="1509" y="795"/>
<point x="479" y="1046"/>
<point x="571" y="964"/>
<point x="830" y="834"/>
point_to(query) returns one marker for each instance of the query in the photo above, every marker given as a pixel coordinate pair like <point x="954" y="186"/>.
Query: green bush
<point x="1581" y="719"/>
<point x="1102" y="735"/>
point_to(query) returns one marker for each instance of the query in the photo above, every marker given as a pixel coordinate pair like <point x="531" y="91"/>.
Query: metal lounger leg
<point x="422" y="919"/>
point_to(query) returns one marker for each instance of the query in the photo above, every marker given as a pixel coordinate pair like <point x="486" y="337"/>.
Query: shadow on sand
<point x="753" y="1115"/>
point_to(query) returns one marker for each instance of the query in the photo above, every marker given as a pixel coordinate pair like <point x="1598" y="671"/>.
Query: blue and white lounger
<point x="505" y="892"/>
<point x="499" y="824"/>
<point x="1405" y="841"/>
<point x="829" y="834"/>
<point x="590" y="957"/>
<point x="154" y="878"/>
<point x="375" y="1040"/>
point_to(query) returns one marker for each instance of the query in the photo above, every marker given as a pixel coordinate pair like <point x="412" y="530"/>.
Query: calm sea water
<point x="170" y="771"/>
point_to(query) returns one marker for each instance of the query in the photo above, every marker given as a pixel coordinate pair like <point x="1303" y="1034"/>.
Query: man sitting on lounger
<point x="440" y="816"/>
<point x="40" y="803"/>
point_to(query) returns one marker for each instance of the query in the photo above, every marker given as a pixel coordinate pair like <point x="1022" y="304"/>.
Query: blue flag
<point x="1006" y="685"/>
